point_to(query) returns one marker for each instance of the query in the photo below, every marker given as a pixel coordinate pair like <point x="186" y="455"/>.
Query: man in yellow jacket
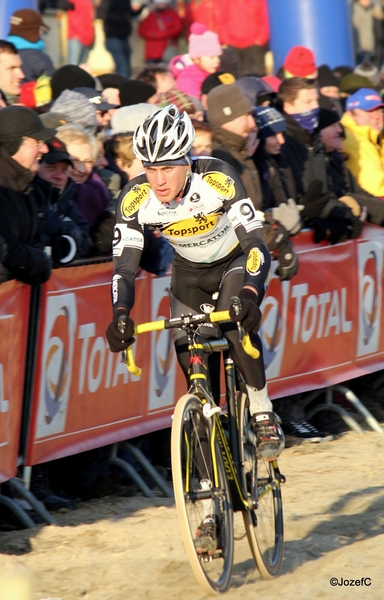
<point x="364" y="141"/>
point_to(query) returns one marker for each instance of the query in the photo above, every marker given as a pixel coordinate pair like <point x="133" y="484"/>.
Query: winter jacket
<point x="365" y="155"/>
<point x="116" y="16"/>
<point x="35" y="61"/>
<point x="362" y="21"/>
<point x="277" y="181"/>
<point x="343" y="183"/>
<point x="305" y="154"/>
<point x="240" y="24"/>
<point x="232" y="148"/>
<point x="159" y="29"/>
<point x="20" y="224"/>
<point x="92" y="198"/>
<point x="80" y="22"/>
<point x="64" y="206"/>
<point x="190" y="79"/>
<point x="245" y="24"/>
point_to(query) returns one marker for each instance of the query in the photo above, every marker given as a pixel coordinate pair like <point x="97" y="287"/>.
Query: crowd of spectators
<point x="307" y="142"/>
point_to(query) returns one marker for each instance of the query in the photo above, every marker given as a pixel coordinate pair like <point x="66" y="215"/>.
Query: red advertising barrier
<point x="84" y="396"/>
<point x="325" y="325"/>
<point x="320" y="328"/>
<point x="14" y="314"/>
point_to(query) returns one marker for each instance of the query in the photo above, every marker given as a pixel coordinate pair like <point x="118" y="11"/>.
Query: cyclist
<point x="201" y="207"/>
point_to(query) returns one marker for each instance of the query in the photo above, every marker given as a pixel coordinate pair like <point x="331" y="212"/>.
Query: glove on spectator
<point x="44" y="271"/>
<point x="288" y="214"/>
<point x="275" y="234"/>
<point x="355" y="227"/>
<point x="288" y="261"/>
<point x="343" y="224"/>
<point x="320" y="227"/>
<point x="119" y="336"/>
<point x="250" y="314"/>
<point x="353" y="204"/>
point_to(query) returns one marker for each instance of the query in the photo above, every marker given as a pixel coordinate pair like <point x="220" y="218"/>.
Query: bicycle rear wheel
<point x="196" y="457"/>
<point x="263" y="525"/>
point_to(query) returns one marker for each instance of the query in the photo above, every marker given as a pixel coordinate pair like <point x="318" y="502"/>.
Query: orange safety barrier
<point x="320" y="328"/>
<point x="14" y="315"/>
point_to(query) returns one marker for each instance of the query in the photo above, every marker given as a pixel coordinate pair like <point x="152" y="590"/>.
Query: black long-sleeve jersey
<point x="213" y="217"/>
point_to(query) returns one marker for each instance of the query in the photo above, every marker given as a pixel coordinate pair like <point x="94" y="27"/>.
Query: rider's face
<point x="167" y="182"/>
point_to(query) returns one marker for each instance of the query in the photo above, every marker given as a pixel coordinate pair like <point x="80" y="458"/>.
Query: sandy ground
<point x="120" y="548"/>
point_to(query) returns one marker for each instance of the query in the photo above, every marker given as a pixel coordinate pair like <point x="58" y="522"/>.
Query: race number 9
<point x="247" y="211"/>
<point x="244" y="213"/>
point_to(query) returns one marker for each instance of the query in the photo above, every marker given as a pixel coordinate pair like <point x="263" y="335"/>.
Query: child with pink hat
<point x="204" y="51"/>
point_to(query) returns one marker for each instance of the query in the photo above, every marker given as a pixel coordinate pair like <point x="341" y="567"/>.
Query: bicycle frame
<point x="199" y="387"/>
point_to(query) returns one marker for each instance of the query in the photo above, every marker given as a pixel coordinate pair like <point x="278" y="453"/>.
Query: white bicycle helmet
<point x="164" y="137"/>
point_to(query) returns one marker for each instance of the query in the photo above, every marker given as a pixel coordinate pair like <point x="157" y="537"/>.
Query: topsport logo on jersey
<point x="57" y="358"/>
<point x="370" y="269"/>
<point x="223" y="185"/>
<point x="133" y="200"/>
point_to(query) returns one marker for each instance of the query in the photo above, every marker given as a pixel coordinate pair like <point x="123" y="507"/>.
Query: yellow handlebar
<point x="147" y="327"/>
<point x="248" y="347"/>
<point x="223" y="315"/>
<point x="214" y="317"/>
<point x="130" y="362"/>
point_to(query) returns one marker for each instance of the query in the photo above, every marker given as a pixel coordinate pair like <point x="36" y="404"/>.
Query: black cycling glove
<point x="250" y="314"/>
<point x="118" y="339"/>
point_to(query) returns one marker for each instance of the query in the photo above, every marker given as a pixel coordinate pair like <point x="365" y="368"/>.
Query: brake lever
<point x="122" y="327"/>
<point x="236" y="304"/>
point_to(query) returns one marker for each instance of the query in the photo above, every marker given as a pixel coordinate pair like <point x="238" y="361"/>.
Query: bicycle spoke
<point x="264" y="524"/>
<point x="197" y="496"/>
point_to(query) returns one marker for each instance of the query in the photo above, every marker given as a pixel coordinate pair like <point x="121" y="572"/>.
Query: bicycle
<point x="214" y="462"/>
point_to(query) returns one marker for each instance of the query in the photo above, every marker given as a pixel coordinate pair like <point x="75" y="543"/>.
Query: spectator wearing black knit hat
<point x="111" y="83"/>
<point x="135" y="91"/>
<point x="212" y="81"/>
<point x="69" y="77"/>
<point x="22" y="144"/>
<point x="329" y="86"/>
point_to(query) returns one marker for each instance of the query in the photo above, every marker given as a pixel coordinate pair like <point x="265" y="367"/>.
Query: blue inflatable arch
<point x="324" y="26"/>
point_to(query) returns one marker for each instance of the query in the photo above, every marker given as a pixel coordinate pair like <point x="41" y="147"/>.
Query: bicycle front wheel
<point x="196" y="459"/>
<point x="264" y="524"/>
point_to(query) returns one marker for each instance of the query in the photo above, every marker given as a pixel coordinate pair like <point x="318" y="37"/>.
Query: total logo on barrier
<point x="370" y="262"/>
<point x="274" y="324"/>
<point x="163" y="355"/>
<point x="57" y="357"/>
